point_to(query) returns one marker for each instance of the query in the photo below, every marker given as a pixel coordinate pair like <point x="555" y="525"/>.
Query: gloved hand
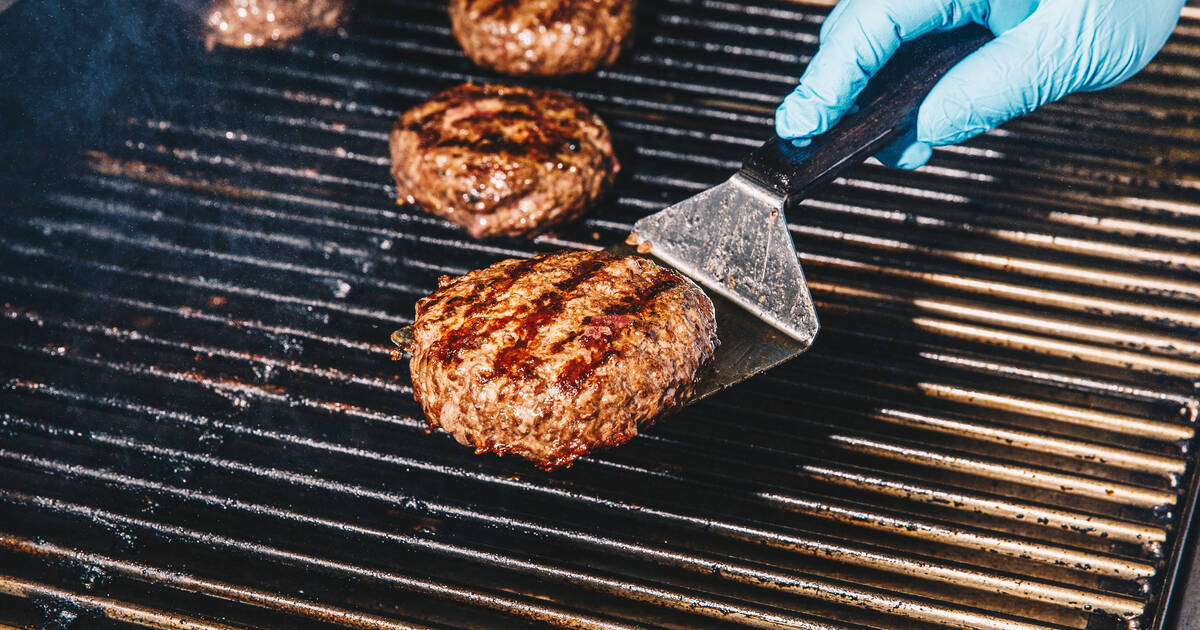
<point x="1043" y="51"/>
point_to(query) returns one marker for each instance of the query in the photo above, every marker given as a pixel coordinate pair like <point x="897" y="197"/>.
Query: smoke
<point x="67" y="68"/>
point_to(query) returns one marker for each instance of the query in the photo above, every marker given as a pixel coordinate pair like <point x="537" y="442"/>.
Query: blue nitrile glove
<point x="1043" y="51"/>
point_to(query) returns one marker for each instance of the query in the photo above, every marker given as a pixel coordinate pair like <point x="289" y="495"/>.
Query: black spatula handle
<point x="887" y="109"/>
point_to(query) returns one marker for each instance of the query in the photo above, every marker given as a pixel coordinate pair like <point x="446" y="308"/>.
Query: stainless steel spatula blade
<point x="733" y="240"/>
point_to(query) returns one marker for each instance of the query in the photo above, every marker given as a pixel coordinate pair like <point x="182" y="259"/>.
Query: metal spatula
<point x="733" y="239"/>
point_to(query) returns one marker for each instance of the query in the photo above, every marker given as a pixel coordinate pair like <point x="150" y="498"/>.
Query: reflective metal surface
<point x="733" y="240"/>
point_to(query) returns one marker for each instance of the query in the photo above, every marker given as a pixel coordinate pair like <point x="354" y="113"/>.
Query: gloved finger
<point x="1063" y="47"/>
<point x="832" y="18"/>
<point x="905" y="152"/>
<point x="860" y="36"/>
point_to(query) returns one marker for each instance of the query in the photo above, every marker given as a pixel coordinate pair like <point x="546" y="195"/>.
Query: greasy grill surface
<point x="201" y="425"/>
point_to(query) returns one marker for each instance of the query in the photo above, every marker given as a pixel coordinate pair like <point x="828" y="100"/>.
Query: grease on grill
<point x="553" y="356"/>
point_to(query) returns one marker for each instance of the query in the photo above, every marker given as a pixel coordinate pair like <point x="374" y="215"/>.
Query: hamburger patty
<point x="256" y="23"/>
<point x="553" y="356"/>
<point x="542" y="37"/>
<point x="501" y="160"/>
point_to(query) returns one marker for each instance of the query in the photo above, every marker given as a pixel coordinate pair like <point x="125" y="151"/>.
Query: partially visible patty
<point x="542" y="37"/>
<point x="257" y="23"/>
<point x="553" y="356"/>
<point x="502" y="160"/>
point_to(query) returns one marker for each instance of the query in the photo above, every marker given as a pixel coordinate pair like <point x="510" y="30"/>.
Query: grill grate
<point x="201" y="426"/>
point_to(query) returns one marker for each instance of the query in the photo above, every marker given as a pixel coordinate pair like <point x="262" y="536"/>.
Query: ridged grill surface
<point x="201" y="424"/>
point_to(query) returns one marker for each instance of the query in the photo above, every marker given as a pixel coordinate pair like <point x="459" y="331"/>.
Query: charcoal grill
<point x="201" y="424"/>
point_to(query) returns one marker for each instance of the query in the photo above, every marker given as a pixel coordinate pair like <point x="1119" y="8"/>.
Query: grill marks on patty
<point x="542" y="37"/>
<point x="475" y="328"/>
<point x="519" y="359"/>
<point x="551" y="356"/>
<point x="504" y="120"/>
<point x="502" y="160"/>
<point x="493" y="8"/>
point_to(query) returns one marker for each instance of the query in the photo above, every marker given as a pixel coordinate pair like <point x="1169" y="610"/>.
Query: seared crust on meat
<point x="542" y="37"/>
<point x="271" y="23"/>
<point x="553" y="356"/>
<point x="501" y="160"/>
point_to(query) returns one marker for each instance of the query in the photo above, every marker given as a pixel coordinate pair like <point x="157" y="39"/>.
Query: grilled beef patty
<point x="542" y="37"/>
<point x="501" y="160"/>
<point x="553" y="356"/>
<point x="257" y="23"/>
